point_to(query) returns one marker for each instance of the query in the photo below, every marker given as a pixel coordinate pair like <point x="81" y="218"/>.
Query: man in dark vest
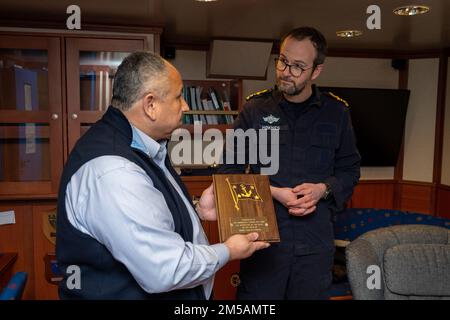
<point x="126" y="228"/>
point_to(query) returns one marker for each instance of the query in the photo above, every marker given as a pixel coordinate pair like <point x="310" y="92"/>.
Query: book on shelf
<point x="204" y="102"/>
<point x="227" y="107"/>
<point x="95" y="89"/>
<point x="193" y="103"/>
<point x="207" y="106"/>
<point x="187" y="119"/>
<point x="87" y="90"/>
<point x="198" y="92"/>
<point x="217" y="105"/>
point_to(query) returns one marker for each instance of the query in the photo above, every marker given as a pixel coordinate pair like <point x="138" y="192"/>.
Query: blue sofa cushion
<point x="15" y="287"/>
<point x="353" y="222"/>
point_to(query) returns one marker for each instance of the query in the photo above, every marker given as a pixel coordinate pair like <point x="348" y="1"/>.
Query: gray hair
<point x="139" y="73"/>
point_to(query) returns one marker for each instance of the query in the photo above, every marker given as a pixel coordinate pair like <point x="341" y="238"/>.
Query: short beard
<point x="291" y="90"/>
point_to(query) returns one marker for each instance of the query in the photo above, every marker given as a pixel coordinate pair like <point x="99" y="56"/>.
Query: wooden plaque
<point x="244" y="204"/>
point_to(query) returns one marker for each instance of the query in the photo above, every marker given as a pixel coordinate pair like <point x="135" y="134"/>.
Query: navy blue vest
<point x="102" y="276"/>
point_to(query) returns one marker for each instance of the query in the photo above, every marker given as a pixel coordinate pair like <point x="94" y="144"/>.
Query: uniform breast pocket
<point x="273" y="137"/>
<point x="322" y="148"/>
<point x="270" y="149"/>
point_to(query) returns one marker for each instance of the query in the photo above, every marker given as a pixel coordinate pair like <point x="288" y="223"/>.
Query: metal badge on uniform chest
<point x="270" y="122"/>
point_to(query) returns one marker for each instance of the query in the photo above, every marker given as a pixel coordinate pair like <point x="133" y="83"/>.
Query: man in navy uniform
<point x="319" y="166"/>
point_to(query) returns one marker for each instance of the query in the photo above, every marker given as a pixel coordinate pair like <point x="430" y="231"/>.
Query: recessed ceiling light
<point x="411" y="10"/>
<point x="349" y="33"/>
<point x="205" y="0"/>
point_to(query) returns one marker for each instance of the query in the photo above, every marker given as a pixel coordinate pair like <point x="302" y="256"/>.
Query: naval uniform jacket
<point x="317" y="145"/>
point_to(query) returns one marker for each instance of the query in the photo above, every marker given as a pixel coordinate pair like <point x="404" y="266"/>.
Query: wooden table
<point x="6" y="263"/>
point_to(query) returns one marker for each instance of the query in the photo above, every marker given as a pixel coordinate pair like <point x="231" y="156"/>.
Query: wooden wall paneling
<point x="18" y="238"/>
<point x="7" y="260"/>
<point x="398" y="176"/>
<point x="443" y="201"/>
<point x="227" y="278"/>
<point x="196" y="184"/>
<point x="213" y="229"/>
<point x="226" y="281"/>
<point x="42" y="247"/>
<point x="157" y="43"/>
<point x="416" y="197"/>
<point x="374" y="194"/>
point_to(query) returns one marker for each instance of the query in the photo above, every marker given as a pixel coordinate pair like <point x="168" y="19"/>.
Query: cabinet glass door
<point x="91" y="66"/>
<point x="31" y="139"/>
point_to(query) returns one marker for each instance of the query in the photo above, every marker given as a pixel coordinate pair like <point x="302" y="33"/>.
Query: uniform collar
<point x="315" y="101"/>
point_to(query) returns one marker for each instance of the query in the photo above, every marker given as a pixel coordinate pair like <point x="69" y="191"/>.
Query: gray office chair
<point x="400" y="262"/>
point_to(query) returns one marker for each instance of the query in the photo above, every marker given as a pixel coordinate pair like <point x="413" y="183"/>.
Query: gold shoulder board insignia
<point x="257" y="94"/>
<point x="339" y="99"/>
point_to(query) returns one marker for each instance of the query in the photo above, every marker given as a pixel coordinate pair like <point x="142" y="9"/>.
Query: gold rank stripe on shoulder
<point x="339" y="99"/>
<point x="257" y="94"/>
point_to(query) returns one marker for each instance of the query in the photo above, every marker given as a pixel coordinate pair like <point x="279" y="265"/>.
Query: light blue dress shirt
<point x="115" y="202"/>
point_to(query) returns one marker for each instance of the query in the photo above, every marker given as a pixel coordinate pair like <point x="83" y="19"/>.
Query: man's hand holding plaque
<point x="206" y="207"/>
<point x="240" y="246"/>
<point x="244" y="204"/>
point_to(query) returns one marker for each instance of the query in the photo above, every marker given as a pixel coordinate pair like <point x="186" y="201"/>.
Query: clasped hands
<point x="300" y="200"/>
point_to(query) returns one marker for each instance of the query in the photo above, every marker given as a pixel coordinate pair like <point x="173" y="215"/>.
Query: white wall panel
<point x="421" y="120"/>
<point x="445" y="173"/>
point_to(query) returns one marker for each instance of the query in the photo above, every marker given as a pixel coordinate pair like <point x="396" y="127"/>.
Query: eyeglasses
<point x="294" y="69"/>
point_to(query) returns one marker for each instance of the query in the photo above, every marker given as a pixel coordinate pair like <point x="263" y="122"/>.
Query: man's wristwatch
<point x="327" y="192"/>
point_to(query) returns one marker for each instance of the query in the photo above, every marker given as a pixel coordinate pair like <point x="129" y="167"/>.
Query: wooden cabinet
<point x="31" y="107"/>
<point x="53" y="86"/>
